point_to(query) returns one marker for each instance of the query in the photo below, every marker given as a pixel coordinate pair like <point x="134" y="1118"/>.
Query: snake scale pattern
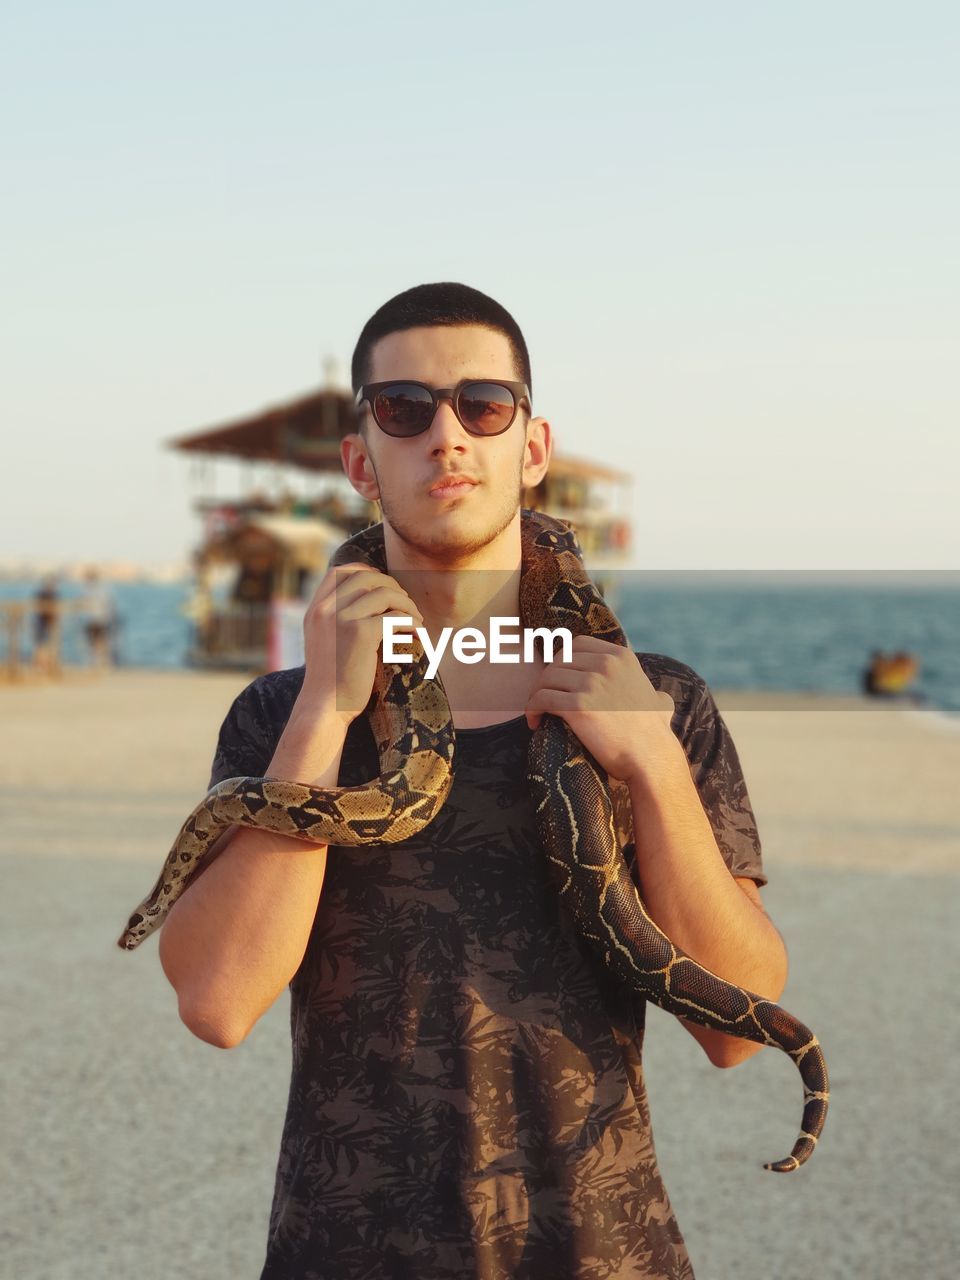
<point x="583" y="818"/>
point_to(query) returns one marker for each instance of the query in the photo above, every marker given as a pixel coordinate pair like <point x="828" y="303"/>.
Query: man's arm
<point x="721" y="1049"/>
<point x="608" y="701"/>
<point x="237" y="934"/>
<point x="690" y="893"/>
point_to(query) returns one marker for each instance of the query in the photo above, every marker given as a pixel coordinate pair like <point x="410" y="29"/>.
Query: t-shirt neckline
<point x="490" y="728"/>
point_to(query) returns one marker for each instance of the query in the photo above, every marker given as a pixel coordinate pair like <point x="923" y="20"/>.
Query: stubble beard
<point x="453" y="546"/>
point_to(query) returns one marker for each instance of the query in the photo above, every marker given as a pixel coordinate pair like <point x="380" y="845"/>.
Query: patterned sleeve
<point x="245" y="746"/>
<point x="715" y="768"/>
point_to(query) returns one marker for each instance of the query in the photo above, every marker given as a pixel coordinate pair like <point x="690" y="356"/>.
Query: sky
<point x="730" y="235"/>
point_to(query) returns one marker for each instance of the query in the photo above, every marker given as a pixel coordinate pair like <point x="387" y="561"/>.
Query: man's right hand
<point x="344" y="622"/>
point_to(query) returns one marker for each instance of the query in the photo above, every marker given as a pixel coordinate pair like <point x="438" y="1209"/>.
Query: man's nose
<point x="446" y="430"/>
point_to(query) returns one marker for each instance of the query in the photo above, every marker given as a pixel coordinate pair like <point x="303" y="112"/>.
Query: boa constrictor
<point x="583" y="818"/>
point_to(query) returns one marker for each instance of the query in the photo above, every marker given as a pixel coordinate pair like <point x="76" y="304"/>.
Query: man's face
<point x="446" y="492"/>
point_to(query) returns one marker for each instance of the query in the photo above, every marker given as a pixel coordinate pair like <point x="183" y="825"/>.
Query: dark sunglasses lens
<point x="403" y="409"/>
<point x="486" y="408"/>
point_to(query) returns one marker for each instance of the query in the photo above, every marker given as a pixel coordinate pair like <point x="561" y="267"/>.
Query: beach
<point x="132" y="1147"/>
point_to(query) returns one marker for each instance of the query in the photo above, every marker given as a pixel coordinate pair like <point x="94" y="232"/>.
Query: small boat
<point x="262" y="555"/>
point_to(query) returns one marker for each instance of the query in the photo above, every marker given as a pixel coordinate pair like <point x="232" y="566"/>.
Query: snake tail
<point x="599" y="891"/>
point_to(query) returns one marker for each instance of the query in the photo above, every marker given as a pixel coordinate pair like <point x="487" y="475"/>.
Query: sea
<point x="738" y="630"/>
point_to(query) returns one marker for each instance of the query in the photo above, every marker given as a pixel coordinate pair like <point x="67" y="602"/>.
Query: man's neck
<point x="467" y="598"/>
<point x="464" y="592"/>
<point x="468" y="593"/>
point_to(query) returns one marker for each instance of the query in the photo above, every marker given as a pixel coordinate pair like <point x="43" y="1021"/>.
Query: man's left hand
<point x="605" y="697"/>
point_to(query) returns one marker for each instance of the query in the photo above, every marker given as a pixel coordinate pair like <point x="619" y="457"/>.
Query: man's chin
<point x="450" y="533"/>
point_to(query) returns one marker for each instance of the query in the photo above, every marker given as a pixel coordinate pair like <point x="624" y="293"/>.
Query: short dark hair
<point x="434" y="304"/>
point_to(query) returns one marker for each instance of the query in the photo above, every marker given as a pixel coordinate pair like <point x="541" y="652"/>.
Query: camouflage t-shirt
<point x="467" y="1095"/>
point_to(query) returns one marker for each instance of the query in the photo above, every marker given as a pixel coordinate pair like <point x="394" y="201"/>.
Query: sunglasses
<point x="404" y="408"/>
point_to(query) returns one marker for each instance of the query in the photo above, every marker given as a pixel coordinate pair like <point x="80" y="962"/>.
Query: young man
<point x="467" y="1096"/>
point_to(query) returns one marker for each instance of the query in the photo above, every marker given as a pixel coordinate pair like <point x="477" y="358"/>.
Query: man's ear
<point x="537" y="451"/>
<point x="358" y="467"/>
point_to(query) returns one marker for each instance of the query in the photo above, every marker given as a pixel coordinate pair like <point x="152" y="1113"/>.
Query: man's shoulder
<point x="275" y="692"/>
<point x="254" y="722"/>
<point x="678" y="679"/>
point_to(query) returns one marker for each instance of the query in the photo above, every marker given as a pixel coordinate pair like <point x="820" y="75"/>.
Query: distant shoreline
<point x="724" y="579"/>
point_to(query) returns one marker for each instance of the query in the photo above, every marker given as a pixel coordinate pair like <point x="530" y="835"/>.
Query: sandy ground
<point x="132" y="1148"/>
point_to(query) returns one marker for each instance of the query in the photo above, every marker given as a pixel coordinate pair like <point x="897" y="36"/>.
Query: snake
<point x="583" y="816"/>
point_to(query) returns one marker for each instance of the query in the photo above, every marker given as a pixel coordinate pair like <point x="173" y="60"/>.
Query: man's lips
<point x="451" y="486"/>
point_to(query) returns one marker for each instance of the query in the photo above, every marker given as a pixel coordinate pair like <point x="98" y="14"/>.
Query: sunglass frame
<point x="370" y="390"/>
